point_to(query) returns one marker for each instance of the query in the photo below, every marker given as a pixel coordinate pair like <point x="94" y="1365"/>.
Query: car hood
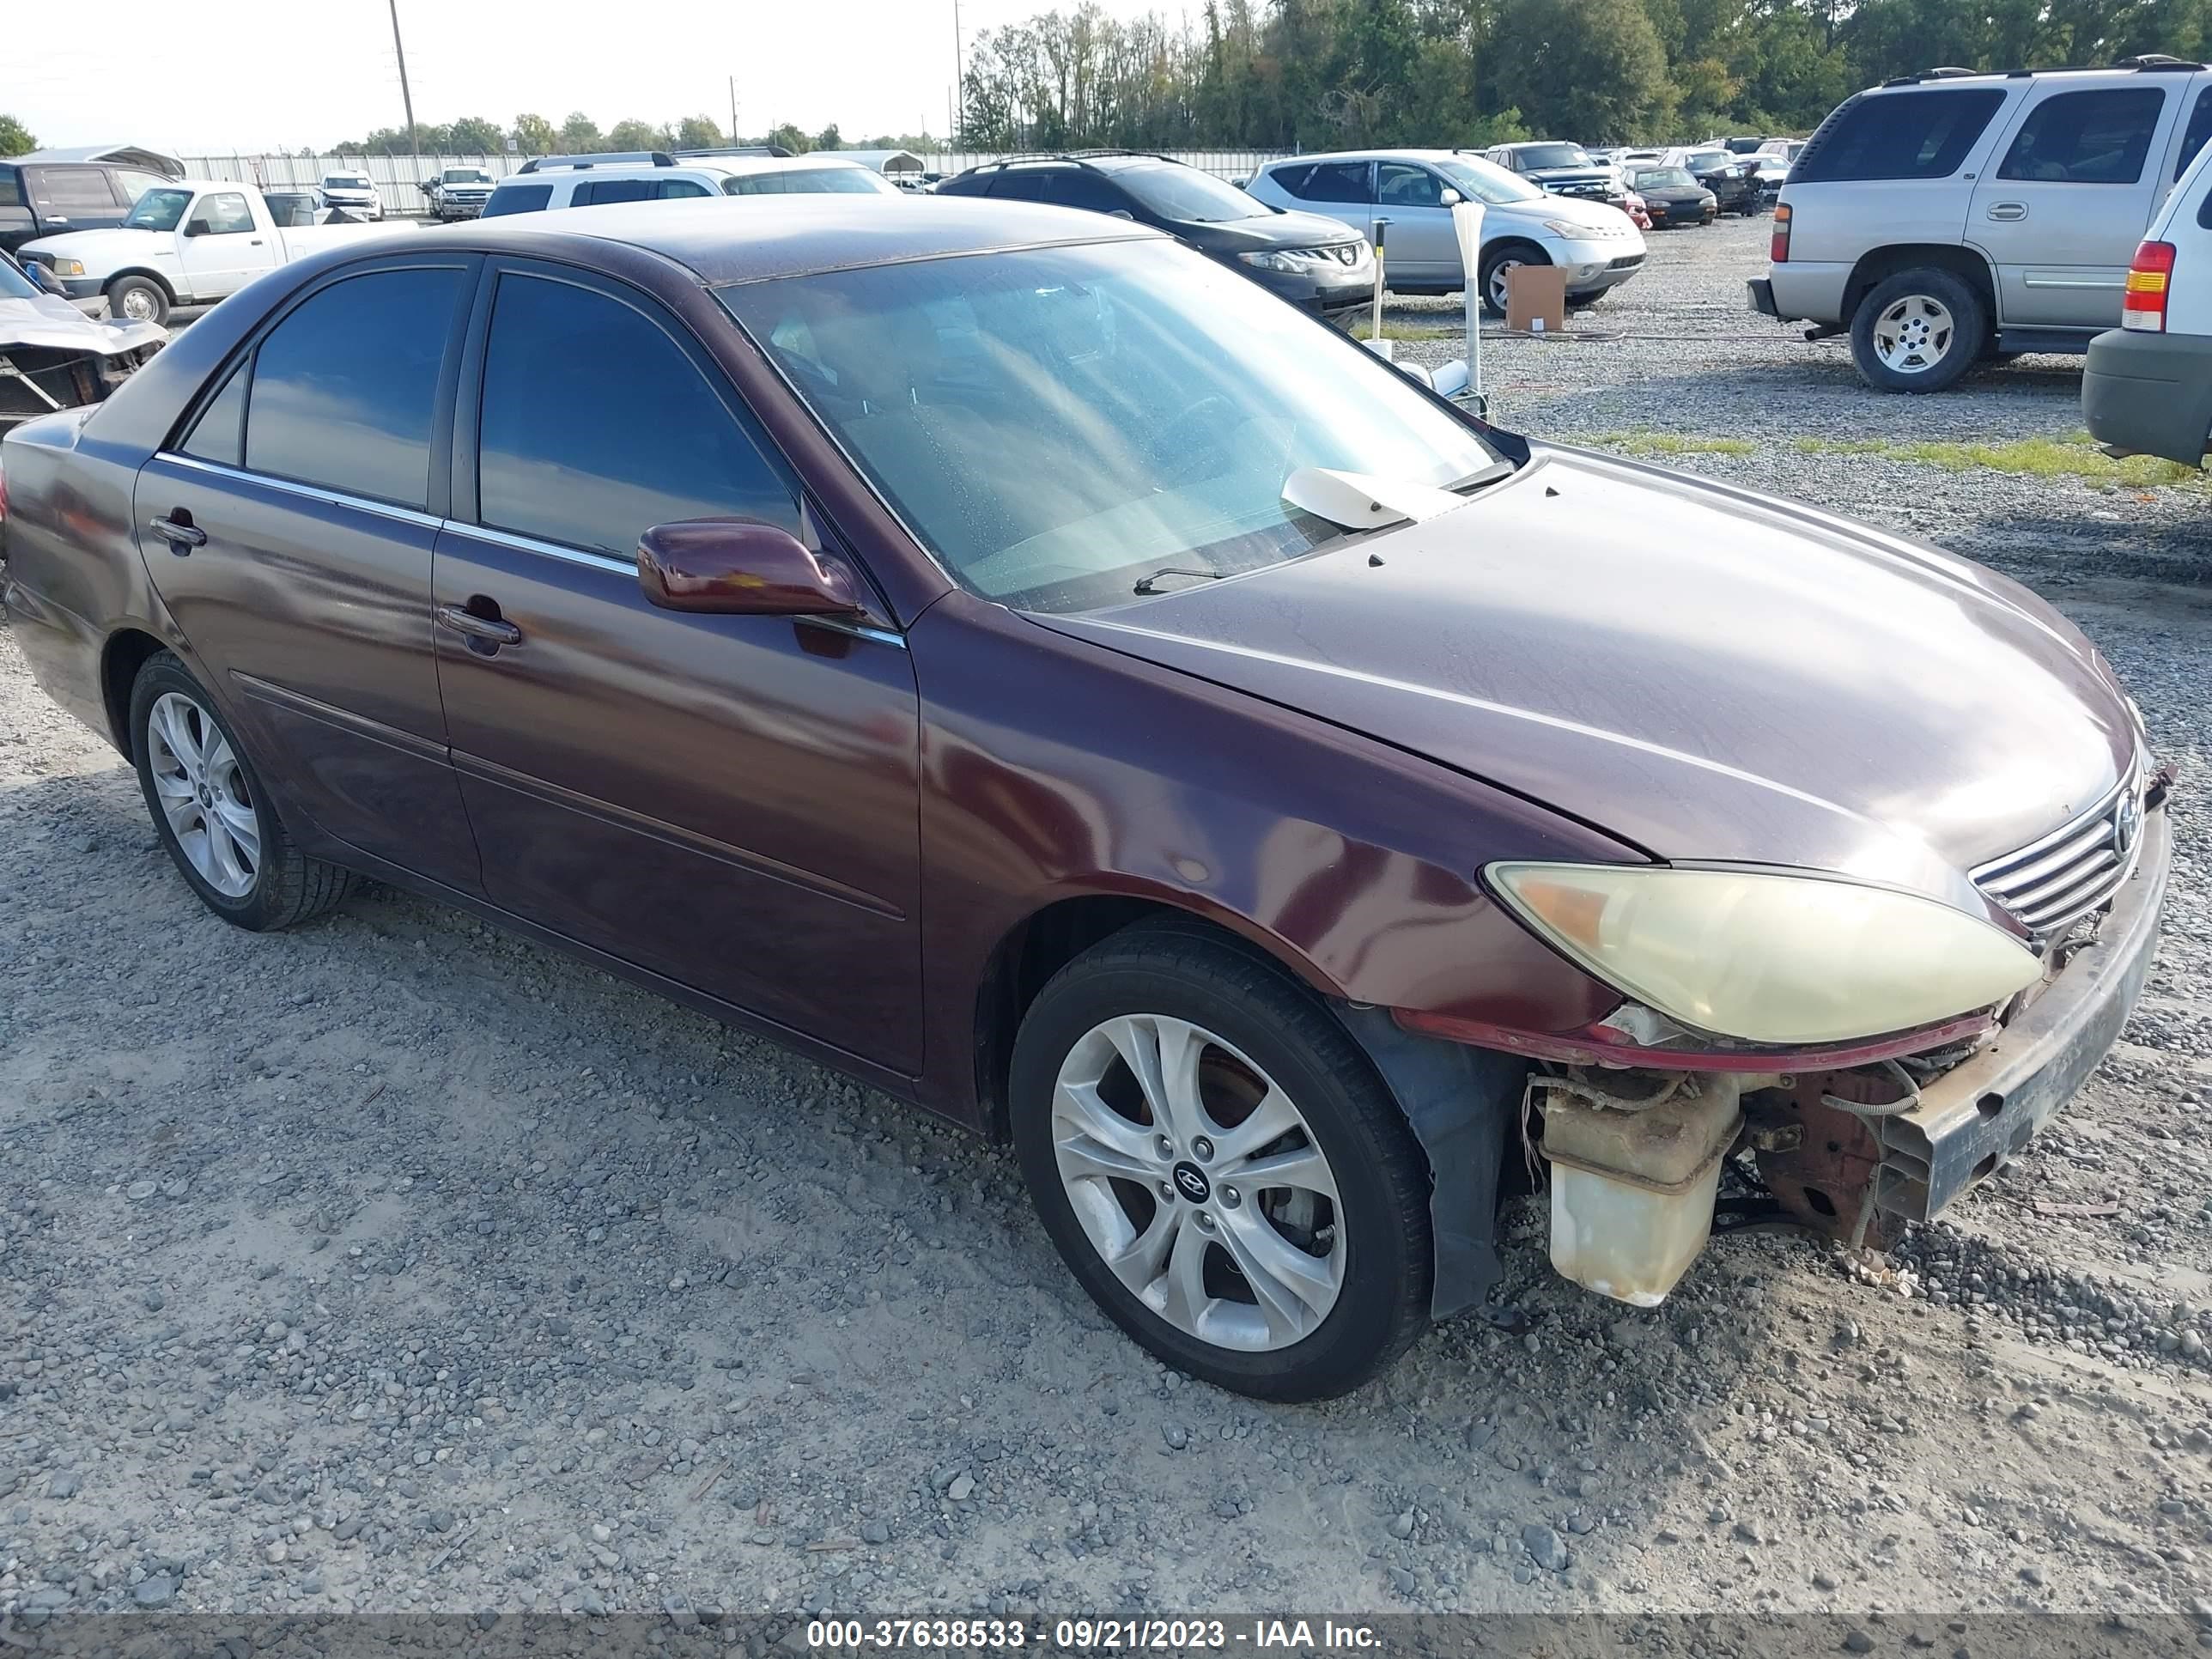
<point x="1701" y="671"/>
<point x="1571" y="209"/>
<point x="1265" y="230"/>
<point x="52" y="321"/>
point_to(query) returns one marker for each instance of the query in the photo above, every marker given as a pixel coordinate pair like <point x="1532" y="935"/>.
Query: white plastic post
<point x="1375" y="326"/>
<point x="1467" y="225"/>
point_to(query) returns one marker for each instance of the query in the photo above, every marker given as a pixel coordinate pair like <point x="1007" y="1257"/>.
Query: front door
<point x="728" y="801"/>
<point x="300" y="507"/>
<point x="1424" y="246"/>
<point x="231" y="250"/>
<point x="2061" y="213"/>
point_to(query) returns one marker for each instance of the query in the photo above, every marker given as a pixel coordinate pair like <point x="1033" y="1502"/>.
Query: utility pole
<point x="959" y="78"/>
<point x="733" y="109"/>
<point x="405" y="97"/>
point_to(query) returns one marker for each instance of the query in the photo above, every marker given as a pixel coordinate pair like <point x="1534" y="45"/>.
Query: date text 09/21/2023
<point x="1089" y="1635"/>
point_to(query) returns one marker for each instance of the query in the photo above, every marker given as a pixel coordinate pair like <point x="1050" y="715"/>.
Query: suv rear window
<point x="1922" y="134"/>
<point x="518" y="198"/>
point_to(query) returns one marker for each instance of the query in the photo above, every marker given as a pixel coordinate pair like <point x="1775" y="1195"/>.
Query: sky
<point x="254" y="75"/>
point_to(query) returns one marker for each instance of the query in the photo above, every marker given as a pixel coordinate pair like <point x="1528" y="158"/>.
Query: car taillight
<point x="1778" y="249"/>
<point x="2144" y="305"/>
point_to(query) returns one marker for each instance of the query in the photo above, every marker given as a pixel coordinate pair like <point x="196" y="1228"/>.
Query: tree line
<point x="580" y="135"/>
<point x="1313" y="73"/>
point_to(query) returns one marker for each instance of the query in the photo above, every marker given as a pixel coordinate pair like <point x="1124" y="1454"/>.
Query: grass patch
<point x="2075" y="456"/>
<point x="1407" y="331"/>
<point x="1673" y="443"/>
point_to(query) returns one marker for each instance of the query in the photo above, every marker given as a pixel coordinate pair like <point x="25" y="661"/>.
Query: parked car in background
<point x="1563" y="169"/>
<point x="1010" y="657"/>
<point x="352" y="190"/>
<point x="2146" y="386"/>
<point x="53" y="357"/>
<point x="1945" y="218"/>
<point x="186" y="244"/>
<point x="1672" y="198"/>
<point x="1782" y="150"/>
<point x="1311" y="260"/>
<point x="1743" y="144"/>
<point x="458" y="194"/>
<point x="1772" y="174"/>
<point x="1732" y="179"/>
<point x="46" y="198"/>
<point x="550" y="183"/>
<point x="1599" y="247"/>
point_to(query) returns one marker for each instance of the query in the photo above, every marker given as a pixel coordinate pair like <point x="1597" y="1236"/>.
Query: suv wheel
<point x="1220" y="1166"/>
<point x="1919" y="331"/>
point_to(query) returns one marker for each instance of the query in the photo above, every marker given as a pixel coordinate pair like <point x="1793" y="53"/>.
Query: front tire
<point x="1219" y="1165"/>
<point x="211" y="812"/>
<point x="138" y="300"/>
<point x="1496" y="263"/>
<point x="1919" y="331"/>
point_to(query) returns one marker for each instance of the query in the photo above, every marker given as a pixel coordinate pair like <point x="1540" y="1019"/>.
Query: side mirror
<point x="1451" y="198"/>
<point x="742" y="568"/>
<point x="198" y="227"/>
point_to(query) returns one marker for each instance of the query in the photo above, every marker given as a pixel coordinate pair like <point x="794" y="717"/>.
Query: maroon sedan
<point x="1021" y="663"/>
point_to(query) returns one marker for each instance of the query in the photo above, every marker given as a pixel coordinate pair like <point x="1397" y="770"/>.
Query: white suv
<point x="1948" y="218"/>
<point x="2147" y="386"/>
<point x="1413" y="190"/>
<point x="567" y="181"/>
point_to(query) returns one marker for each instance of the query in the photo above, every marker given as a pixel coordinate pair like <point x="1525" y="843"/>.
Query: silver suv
<point x="1951" y="217"/>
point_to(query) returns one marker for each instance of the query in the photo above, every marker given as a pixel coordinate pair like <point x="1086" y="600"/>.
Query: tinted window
<point x="1398" y="185"/>
<point x="221" y="424"/>
<point x="596" y="427"/>
<point x="1336" y="181"/>
<point x="67" y="188"/>
<point x="11" y="190"/>
<point x="595" y="193"/>
<point x="675" y="189"/>
<point x="518" y="198"/>
<point x="1292" y="179"/>
<point x="1551" y="155"/>
<point x="1022" y="185"/>
<point x="225" y="215"/>
<point x="1080" y="189"/>
<point x="808" y="181"/>
<point x="2200" y="129"/>
<point x="343" y="387"/>
<point x="1906" y="135"/>
<point x="2087" y="137"/>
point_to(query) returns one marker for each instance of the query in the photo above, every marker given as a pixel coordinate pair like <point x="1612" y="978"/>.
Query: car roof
<point x="727" y="166"/>
<point x="1399" y="153"/>
<point x="753" y="239"/>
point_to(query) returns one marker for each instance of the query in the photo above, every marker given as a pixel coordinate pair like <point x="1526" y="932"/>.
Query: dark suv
<point x="46" y="199"/>
<point x="1312" y="261"/>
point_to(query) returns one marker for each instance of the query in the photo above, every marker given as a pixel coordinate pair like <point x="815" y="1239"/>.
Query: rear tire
<point x="1919" y="331"/>
<point x="1263" y="1201"/>
<point x="138" y="300"/>
<point x="212" y="814"/>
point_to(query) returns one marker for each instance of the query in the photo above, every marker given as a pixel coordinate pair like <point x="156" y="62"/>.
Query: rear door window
<point x="1077" y="187"/>
<point x="596" y="426"/>
<point x="345" y="387"/>
<point x="1336" y="181"/>
<point x="2099" y="138"/>
<point x="674" y="189"/>
<point x="600" y="191"/>
<point x="2199" y="129"/>
<point x="518" y="198"/>
<point x="70" y="190"/>
<point x="1924" y="134"/>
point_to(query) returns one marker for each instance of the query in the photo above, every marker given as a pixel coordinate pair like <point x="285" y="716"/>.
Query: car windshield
<point x="14" y="285"/>
<point x="346" y="181"/>
<point x="1175" y="192"/>
<point x="158" y="210"/>
<point x="1057" y="424"/>
<point x="1553" y="156"/>
<point x="1486" y="182"/>
<point x="805" y="181"/>
<point x="466" y="176"/>
<point x="1663" y="178"/>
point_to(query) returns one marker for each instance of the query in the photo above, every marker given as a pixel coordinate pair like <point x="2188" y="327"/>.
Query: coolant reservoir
<point x="1632" y="1192"/>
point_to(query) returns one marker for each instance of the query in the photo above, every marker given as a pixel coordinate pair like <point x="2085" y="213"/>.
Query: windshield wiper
<point x="1151" y="583"/>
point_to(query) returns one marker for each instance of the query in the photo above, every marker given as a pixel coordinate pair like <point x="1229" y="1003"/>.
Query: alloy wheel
<point x="1913" y="335"/>
<point x="203" y="794"/>
<point x="1497" y="274"/>
<point x="1198" y="1182"/>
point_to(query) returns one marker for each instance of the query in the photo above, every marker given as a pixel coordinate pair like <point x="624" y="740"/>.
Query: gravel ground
<point x="395" y="1264"/>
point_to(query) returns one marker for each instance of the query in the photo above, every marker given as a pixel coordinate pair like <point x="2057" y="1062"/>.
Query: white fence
<point x="398" y="179"/>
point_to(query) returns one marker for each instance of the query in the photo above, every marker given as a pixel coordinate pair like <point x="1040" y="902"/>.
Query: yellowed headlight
<point x="1767" y="957"/>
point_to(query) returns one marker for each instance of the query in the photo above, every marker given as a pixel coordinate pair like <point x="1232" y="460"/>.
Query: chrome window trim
<point x="308" y="491"/>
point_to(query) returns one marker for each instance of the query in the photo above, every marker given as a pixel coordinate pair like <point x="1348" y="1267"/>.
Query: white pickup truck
<point x="184" y="244"/>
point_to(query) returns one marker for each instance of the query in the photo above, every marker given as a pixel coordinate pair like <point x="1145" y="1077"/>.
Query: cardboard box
<point x="1536" y="294"/>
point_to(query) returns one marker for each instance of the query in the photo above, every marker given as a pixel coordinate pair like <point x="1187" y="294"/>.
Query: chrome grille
<point x="2053" y="882"/>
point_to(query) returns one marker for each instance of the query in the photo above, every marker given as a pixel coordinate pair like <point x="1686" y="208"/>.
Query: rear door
<point x="306" y="476"/>
<point x="17" y="225"/>
<point x="74" y="199"/>
<point x="1423" y="247"/>
<point x="729" y="802"/>
<point x="2060" y="213"/>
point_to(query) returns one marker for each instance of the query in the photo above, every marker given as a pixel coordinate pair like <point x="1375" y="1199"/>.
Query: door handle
<point x="2007" y="211"/>
<point x="179" y="531"/>
<point x="256" y="242"/>
<point x="491" y="632"/>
